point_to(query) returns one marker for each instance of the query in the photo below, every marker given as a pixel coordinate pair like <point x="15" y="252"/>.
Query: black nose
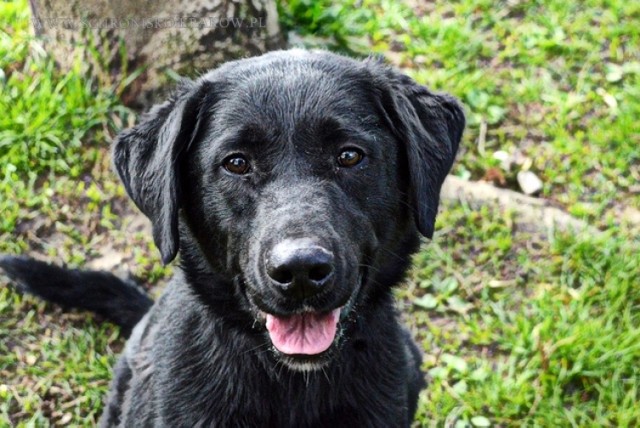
<point x="300" y="268"/>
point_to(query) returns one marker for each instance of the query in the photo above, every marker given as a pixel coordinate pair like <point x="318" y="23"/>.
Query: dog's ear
<point x="430" y="125"/>
<point x="147" y="158"/>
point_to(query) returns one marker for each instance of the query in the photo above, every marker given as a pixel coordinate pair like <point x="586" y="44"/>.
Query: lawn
<point x="519" y="325"/>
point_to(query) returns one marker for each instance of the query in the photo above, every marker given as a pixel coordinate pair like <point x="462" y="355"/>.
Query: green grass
<point x="55" y="371"/>
<point x="52" y="127"/>
<point x="525" y="330"/>
<point x="518" y="327"/>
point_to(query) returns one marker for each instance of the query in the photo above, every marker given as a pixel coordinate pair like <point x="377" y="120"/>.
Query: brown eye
<point x="350" y="157"/>
<point x="237" y="164"/>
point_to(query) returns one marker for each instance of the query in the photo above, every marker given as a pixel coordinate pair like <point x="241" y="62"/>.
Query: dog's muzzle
<point x="301" y="269"/>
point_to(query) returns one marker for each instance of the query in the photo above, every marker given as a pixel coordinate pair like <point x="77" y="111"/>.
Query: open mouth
<point x="307" y="333"/>
<point x="304" y="338"/>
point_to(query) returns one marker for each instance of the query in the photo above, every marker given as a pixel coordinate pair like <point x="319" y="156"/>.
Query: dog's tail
<point x="122" y="302"/>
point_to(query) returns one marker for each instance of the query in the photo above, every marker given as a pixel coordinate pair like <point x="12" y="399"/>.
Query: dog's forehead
<point x="290" y="88"/>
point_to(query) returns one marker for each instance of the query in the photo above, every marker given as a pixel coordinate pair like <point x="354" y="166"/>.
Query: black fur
<point x="202" y="356"/>
<point x="122" y="302"/>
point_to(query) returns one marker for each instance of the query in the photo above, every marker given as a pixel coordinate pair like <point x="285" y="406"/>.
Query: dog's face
<point x="301" y="179"/>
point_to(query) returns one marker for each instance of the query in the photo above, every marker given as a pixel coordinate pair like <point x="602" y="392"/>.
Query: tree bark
<point x="158" y="39"/>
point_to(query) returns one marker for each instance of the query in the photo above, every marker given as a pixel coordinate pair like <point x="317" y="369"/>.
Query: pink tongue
<point x="308" y="333"/>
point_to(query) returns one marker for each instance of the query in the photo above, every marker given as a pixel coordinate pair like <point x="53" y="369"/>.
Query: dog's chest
<point x="218" y="390"/>
<point x="201" y="373"/>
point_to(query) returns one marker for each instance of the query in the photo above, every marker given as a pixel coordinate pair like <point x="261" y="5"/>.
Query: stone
<point x="529" y="183"/>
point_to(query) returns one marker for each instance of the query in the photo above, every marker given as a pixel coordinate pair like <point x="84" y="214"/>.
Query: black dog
<point x="294" y="185"/>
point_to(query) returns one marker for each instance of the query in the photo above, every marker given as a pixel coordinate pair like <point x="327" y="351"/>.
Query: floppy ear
<point x="430" y="125"/>
<point x="147" y="158"/>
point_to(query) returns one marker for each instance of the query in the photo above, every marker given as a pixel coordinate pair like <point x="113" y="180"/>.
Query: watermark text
<point x="149" y="23"/>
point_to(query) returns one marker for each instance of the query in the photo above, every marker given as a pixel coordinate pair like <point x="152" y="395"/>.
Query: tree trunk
<point x="154" y="38"/>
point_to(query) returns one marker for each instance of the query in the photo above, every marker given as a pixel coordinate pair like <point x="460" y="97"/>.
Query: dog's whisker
<point x="305" y="374"/>
<point x="326" y="376"/>
<point x="261" y="347"/>
<point x="392" y="253"/>
<point x="369" y="267"/>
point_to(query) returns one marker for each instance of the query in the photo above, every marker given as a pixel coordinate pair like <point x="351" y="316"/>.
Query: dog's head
<point x="299" y="179"/>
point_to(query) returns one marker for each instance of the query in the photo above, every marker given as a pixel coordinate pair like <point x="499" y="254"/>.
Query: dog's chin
<point x="305" y="363"/>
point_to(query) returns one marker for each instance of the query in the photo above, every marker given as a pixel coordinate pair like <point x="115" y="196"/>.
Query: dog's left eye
<point x="350" y="157"/>
<point x="237" y="164"/>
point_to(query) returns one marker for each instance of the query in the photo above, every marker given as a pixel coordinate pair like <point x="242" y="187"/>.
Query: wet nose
<point x="300" y="268"/>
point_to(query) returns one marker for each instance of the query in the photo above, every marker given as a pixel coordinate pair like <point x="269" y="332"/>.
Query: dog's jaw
<point x="345" y="314"/>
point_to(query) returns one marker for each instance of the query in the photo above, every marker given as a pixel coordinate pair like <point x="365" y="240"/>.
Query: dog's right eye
<point x="350" y="157"/>
<point x="237" y="164"/>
